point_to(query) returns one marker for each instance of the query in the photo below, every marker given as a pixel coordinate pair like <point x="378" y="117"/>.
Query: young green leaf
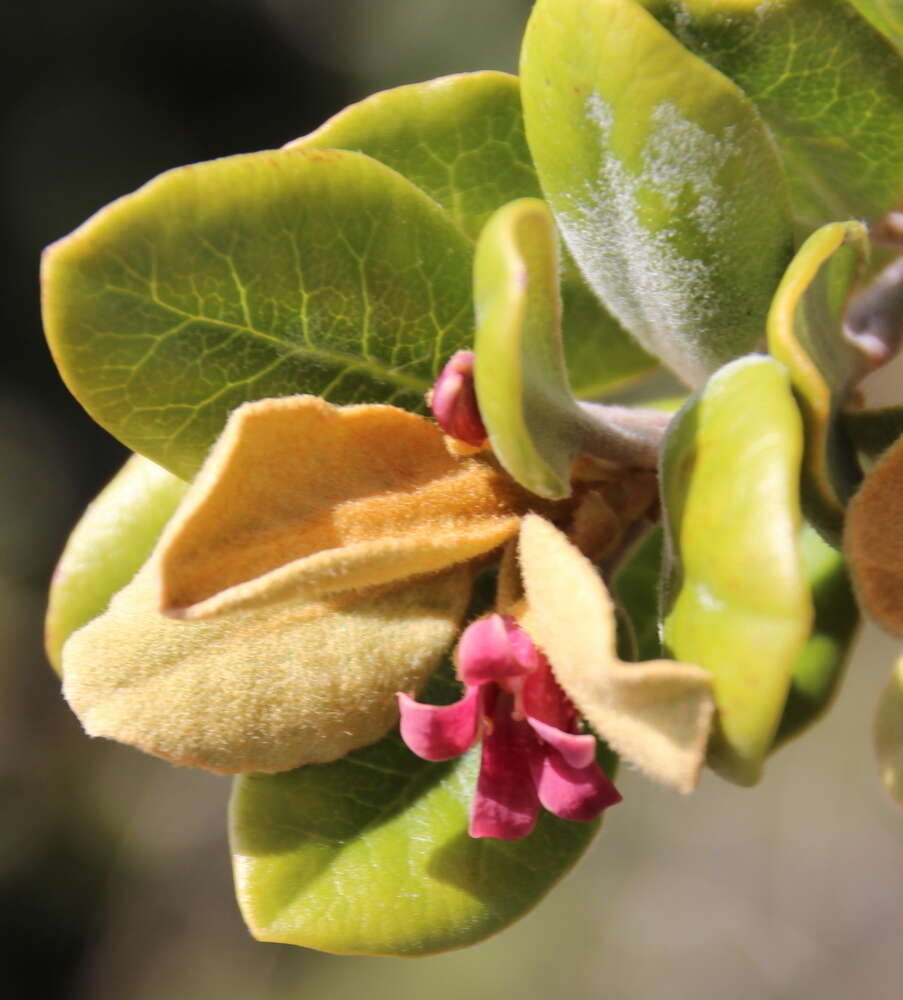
<point x="522" y="386"/>
<point x="108" y="546"/>
<point x="461" y="140"/>
<point x="535" y="426"/>
<point x="370" y="854"/>
<point x="828" y="85"/>
<point x="736" y="598"/>
<point x="665" y="182"/>
<point x="254" y="276"/>
<point x="806" y="332"/>
<point x="820" y="666"/>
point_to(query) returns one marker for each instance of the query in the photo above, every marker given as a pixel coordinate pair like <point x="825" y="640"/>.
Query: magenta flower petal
<point x="544" y="700"/>
<point x="440" y="732"/>
<point x="486" y="653"/>
<point x="574" y="793"/>
<point x="454" y="400"/>
<point x="577" y="750"/>
<point x="506" y="805"/>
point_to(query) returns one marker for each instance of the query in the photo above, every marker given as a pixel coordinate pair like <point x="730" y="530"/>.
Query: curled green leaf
<point x="806" y="332"/>
<point x="535" y="426"/>
<point x="736" y="598"/>
<point x="522" y="385"/>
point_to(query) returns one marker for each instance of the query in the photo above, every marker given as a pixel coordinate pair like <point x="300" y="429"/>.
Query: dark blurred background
<point x="114" y="872"/>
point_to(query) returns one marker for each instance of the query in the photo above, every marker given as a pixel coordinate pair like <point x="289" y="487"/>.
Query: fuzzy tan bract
<point x="657" y="715"/>
<point x="302" y="499"/>
<point x="265" y="689"/>
<point x="873" y="541"/>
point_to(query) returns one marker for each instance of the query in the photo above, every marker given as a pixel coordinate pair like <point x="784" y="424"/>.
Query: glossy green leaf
<point x="874" y="431"/>
<point x="827" y="84"/>
<point x="806" y="333"/>
<point x="461" y="140"/>
<point x="108" y="546"/>
<point x="635" y="585"/>
<point x="820" y="667"/>
<point x="736" y="597"/>
<point x="458" y="138"/>
<point x="371" y="855"/>
<point x="664" y="181"/>
<point x="889" y="733"/>
<point x="262" y="275"/>
<point x="522" y="385"/>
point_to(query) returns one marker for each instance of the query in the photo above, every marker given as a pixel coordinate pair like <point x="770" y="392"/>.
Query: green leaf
<point x="886" y="16"/>
<point x="522" y="386"/>
<point x="827" y="84"/>
<point x="665" y="183"/>
<point x="635" y="585"/>
<point x="108" y="546"/>
<point x="806" y="333"/>
<point x="461" y="140"/>
<point x="736" y="599"/>
<point x="535" y="425"/>
<point x="371" y="855"/>
<point x="889" y="733"/>
<point x="254" y="276"/>
<point x="820" y="667"/>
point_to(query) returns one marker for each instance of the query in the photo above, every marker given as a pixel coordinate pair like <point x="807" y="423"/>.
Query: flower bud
<point x="454" y="401"/>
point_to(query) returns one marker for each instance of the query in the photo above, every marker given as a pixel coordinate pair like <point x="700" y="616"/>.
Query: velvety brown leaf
<point x="266" y="689"/>
<point x="299" y="498"/>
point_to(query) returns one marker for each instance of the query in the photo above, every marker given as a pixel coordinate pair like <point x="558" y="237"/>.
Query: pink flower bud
<point x="454" y="401"/>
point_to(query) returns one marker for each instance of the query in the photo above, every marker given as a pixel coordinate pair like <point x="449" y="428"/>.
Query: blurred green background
<point x="114" y="873"/>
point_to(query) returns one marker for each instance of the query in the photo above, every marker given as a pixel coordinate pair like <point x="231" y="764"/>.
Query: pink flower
<point x="532" y="752"/>
<point x="454" y="401"/>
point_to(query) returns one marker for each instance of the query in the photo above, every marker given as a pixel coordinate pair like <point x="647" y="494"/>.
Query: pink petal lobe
<point x="505" y="805"/>
<point x="485" y="651"/>
<point x="440" y="732"/>
<point x="544" y="700"/>
<point x="578" y="750"/>
<point x="573" y="793"/>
